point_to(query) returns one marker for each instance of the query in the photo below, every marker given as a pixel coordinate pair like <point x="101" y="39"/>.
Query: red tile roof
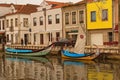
<point x="5" y="5"/>
<point x="80" y="2"/>
<point x="24" y="9"/>
<point x="56" y="4"/>
<point x="27" y="9"/>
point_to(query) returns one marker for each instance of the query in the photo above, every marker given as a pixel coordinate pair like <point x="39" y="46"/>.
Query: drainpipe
<point x="19" y="27"/>
<point x="87" y="38"/>
<point x="118" y="26"/>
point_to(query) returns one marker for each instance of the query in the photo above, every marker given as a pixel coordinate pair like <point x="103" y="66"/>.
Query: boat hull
<point x="75" y="56"/>
<point x="39" y="53"/>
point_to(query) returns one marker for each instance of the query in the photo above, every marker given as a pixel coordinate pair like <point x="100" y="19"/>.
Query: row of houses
<point x="51" y="21"/>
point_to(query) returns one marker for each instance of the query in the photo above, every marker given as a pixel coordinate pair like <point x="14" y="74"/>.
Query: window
<point x="34" y="21"/>
<point x="3" y="24"/>
<point x="7" y="23"/>
<point x="7" y="38"/>
<point x="49" y="19"/>
<point x="57" y="16"/>
<point x="104" y="15"/>
<point x="41" y="20"/>
<point x="66" y="18"/>
<point x="57" y="36"/>
<point x="34" y="37"/>
<point x="110" y="35"/>
<point x="73" y="17"/>
<point x="41" y="39"/>
<point x="11" y="22"/>
<point x="16" y="22"/>
<point x="81" y="16"/>
<point x="93" y="16"/>
<point x="25" y="22"/>
<point x="50" y="36"/>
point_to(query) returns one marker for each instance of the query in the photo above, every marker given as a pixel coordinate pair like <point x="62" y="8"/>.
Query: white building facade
<point x="47" y="23"/>
<point x="18" y="24"/>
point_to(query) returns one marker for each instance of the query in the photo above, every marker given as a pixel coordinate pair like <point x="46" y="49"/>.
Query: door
<point x="97" y="39"/>
<point x="41" y="39"/>
<point x="26" y="38"/>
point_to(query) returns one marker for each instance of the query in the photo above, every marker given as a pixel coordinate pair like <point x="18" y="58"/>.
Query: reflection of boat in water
<point x="83" y="70"/>
<point x="26" y="58"/>
<point x="75" y="62"/>
<point x="74" y="70"/>
<point x="43" y="60"/>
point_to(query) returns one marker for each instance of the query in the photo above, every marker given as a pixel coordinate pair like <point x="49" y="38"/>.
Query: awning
<point x="116" y="28"/>
<point x="1" y="32"/>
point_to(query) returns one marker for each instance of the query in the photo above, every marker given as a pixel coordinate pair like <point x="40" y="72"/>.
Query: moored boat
<point x="79" y="48"/>
<point x="27" y="52"/>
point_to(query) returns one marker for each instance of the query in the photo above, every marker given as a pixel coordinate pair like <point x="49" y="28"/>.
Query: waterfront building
<point x="74" y="16"/>
<point x="4" y="9"/>
<point x="101" y="22"/>
<point x="47" y="23"/>
<point x="18" y="23"/>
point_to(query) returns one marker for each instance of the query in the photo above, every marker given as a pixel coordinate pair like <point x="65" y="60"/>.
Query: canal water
<point x="55" y="68"/>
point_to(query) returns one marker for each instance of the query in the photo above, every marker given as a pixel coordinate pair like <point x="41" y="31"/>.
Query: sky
<point x="34" y="1"/>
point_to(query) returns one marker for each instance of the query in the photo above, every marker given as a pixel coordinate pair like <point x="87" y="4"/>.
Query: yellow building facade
<point x="99" y="21"/>
<point x="99" y="7"/>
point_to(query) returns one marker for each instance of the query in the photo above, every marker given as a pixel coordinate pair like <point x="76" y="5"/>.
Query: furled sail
<point x="81" y="40"/>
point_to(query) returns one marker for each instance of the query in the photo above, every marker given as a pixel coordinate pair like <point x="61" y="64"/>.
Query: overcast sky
<point x="34" y="1"/>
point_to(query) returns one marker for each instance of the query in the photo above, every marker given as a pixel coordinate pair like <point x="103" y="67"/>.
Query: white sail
<point x="81" y="40"/>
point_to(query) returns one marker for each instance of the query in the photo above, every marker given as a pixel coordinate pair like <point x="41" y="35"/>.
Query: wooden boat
<point x="79" y="48"/>
<point x="27" y="52"/>
<point x="83" y="56"/>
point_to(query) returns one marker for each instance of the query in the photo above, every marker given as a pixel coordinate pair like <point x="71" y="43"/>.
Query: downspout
<point x="87" y="38"/>
<point x="62" y="24"/>
<point x="118" y="26"/>
<point x="113" y="19"/>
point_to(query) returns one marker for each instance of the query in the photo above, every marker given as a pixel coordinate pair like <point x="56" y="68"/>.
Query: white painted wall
<point x="50" y="28"/>
<point x="23" y="30"/>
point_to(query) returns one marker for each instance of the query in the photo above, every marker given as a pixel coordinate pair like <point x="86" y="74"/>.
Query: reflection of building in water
<point x="32" y="70"/>
<point x="104" y="73"/>
<point x="58" y="69"/>
<point x="75" y="71"/>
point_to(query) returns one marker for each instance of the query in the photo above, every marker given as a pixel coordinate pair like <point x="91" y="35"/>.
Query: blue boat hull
<point x="71" y="55"/>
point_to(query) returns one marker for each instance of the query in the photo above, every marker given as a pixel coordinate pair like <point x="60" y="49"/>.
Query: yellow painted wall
<point x="98" y="6"/>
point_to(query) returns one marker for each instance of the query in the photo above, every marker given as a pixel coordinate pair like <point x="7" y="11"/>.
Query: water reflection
<point x="41" y="68"/>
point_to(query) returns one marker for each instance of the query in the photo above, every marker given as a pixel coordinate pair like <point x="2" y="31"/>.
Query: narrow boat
<point x="79" y="48"/>
<point x="27" y="52"/>
<point x="85" y="56"/>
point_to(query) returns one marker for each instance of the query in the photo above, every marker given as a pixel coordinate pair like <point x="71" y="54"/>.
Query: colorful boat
<point x="79" y="48"/>
<point x="86" y="56"/>
<point x="27" y="52"/>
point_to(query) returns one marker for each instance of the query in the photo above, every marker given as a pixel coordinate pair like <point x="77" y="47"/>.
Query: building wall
<point x="46" y="28"/>
<point x="70" y="29"/>
<point x="99" y="26"/>
<point x="98" y="7"/>
<point x="18" y="31"/>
